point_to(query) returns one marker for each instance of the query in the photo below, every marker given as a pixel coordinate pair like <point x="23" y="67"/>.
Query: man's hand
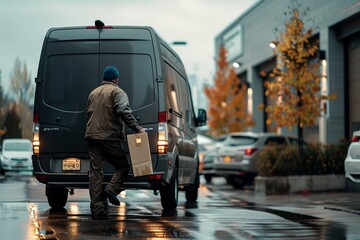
<point x="142" y="130"/>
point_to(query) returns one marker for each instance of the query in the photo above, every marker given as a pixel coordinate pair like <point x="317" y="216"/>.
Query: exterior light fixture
<point x="236" y="64"/>
<point x="250" y="101"/>
<point x="273" y="44"/>
<point x="223" y="104"/>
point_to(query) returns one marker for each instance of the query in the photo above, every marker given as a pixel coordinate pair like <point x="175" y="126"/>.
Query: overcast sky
<point x="24" y="24"/>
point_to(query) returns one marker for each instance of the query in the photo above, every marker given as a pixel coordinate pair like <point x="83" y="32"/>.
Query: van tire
<point x="208" y="178"/>
<point x="57" y="197"/>
<point x="238" y="182"/>
<point x="170" y="193"/>
<point x="191" y="193"/>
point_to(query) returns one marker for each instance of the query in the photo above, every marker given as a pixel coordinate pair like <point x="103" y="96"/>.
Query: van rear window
<point x="136" y="76"/>
<point x="69" y="80"/>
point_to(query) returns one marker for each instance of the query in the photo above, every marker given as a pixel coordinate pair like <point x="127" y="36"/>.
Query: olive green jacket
<point x="107" y="110"/>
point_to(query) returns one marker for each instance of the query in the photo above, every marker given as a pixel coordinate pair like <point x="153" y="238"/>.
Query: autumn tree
<point x="295" y="88"/>
<point x="22" y="89"/>
<point x="227" y="100"/>
<point x="2" y="107"/>
<point x="12" y="123"/>
<point x="2" y="95"/>
<point x="21" y="85"/>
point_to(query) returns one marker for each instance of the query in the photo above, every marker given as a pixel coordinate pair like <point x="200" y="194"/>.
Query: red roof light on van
<point x="94" y="27"/>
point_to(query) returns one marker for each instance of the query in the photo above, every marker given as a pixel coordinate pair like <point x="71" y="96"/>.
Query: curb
<point x="301" y="183"/>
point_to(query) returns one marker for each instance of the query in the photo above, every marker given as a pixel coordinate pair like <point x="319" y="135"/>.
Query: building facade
<point x="336" y="25"/>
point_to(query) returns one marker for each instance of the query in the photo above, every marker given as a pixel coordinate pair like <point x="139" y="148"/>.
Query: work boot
<point x="105" y="200"/>
<point x="111" y="196"/>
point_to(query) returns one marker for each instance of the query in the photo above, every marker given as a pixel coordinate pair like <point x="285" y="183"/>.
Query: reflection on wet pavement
<point x="140" y="216"/>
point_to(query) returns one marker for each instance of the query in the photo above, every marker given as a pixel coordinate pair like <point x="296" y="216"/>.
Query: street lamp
<point x="236" y="64"/>
<point x="273" y="44"/>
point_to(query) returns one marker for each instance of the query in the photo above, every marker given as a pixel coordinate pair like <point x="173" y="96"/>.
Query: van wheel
<point x="238" y="182"/>
<point x="169" y="194"/>
<point x="191" y="193"/>
<point x="57" y="197"/>
<point x="208" y="178"/>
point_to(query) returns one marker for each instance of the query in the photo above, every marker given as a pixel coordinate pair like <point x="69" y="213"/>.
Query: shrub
<point x="315" y="159"/>
<point x="267" y="159"/>
<point x="288" y="162"/>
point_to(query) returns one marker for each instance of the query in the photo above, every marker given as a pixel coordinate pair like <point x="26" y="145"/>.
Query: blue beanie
<point x="110" y="73"/>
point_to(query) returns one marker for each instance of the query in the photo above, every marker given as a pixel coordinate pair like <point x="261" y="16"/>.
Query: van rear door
<point x="70" y="72"/>
<point x="131" y="51"/>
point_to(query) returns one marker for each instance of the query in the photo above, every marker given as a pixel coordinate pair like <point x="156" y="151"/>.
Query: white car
<point x="352" y="160"/>
<point x="16" y="155"/>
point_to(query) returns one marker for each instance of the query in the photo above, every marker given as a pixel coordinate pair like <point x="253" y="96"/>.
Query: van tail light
<point x="36" y="133"/>
<point x="355" y="138"/>
<point x="162" y="133"/>
<point x="250" y="151"/>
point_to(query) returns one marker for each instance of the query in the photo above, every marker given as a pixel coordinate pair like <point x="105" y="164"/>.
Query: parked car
<point x="16" y="155"/>
<point x="207" y="158"/>
<point x="237" y="158"/>
<point x="205" y="142"/>
<point x="352" y="160"/>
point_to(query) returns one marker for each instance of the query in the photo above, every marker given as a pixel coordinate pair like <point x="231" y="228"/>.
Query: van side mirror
<point x="201" y="119"/>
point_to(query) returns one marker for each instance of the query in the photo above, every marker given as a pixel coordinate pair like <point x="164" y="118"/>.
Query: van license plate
<point x="71" y="164"/>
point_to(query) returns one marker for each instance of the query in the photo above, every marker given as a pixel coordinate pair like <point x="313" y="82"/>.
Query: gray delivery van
<point x="151" y="73"/>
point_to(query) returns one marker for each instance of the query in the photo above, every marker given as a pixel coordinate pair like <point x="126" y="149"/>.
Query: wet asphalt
<point x="220" y="213"/>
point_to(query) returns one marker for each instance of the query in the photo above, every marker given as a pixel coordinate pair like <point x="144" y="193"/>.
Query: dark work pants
<point x="113" y="152"/>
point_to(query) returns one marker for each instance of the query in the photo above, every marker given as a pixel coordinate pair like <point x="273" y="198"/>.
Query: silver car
<point x="237" y="158"/>
<point x="207" y="154"/>
<point x="352" y="160"/>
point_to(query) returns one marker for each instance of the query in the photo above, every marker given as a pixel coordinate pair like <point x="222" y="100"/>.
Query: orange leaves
<point x="295" y="89"/>
<point x="227" y="100"/>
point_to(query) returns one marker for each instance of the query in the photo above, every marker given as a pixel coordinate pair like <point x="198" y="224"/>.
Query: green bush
<point x="313" y="160"/>
<point x="289" y="162"/>
<point x="267" y="159"/>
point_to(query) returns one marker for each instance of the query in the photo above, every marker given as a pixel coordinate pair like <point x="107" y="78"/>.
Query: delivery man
<point x="108" y="109"/>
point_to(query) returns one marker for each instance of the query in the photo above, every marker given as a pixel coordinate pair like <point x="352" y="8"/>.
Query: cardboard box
<point x="140" y="156"/>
